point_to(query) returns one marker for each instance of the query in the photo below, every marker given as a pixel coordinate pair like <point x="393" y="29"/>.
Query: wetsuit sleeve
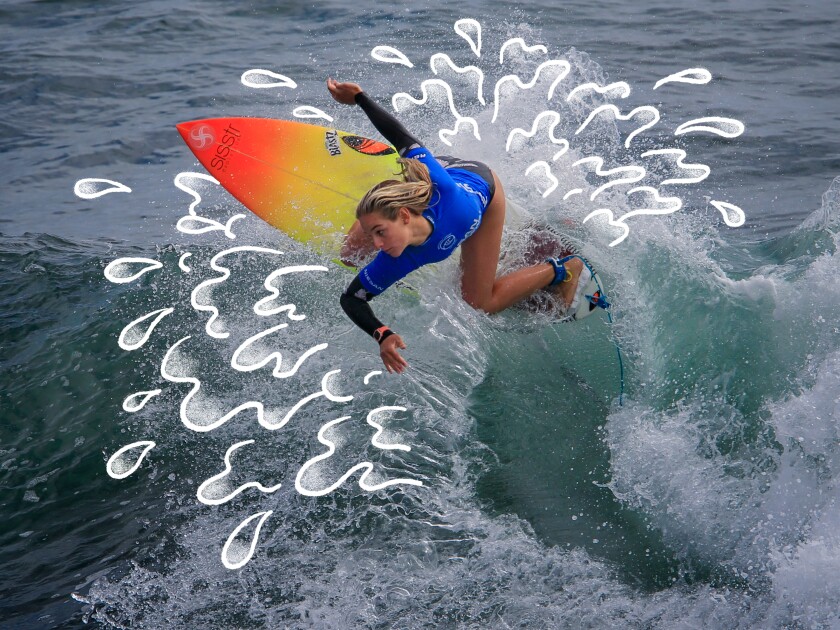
<point x="387" y="125"/>
<point x="384" y="270"/>
<point x="406" y="144"/>
<point x="354" y="301"/>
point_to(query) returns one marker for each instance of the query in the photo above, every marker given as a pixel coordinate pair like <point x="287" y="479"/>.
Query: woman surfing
<point x="439" y="204"/>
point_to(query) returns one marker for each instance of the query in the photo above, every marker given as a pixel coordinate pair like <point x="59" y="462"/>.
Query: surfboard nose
<point x="184" y="128"/>
<point x="198" y="134"/>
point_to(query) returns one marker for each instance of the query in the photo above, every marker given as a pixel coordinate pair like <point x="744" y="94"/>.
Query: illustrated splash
<point x="555" y="79"/>
<point x="563" y="161"/>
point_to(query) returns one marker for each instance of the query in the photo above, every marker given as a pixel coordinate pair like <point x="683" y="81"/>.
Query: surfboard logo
<point x="331" y="143"/>
<point x="202" y="136"/>
<point x="367" y="146"/>
<point x="472" y="229"/>
<point x="448" y="243"/>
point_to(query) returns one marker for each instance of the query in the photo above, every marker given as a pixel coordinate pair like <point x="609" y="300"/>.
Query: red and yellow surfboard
<point x="303" y="179"/>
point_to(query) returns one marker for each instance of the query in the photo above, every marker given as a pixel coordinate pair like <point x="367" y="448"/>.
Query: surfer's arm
<point x="349" y="93"/>
<point x="354" y="302"/>
<point x="385" y="123"/>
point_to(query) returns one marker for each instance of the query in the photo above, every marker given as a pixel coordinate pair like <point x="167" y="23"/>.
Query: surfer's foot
<point x="566" y="285"/>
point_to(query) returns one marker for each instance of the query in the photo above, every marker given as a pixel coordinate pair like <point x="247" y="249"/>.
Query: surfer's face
<point x="389" y="236"/>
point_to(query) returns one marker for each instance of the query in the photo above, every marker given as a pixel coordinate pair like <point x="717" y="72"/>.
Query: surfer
<point x="439" y="204"/>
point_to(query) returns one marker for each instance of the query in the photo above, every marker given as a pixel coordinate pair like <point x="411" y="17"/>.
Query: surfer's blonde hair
<point x="414" y="192"/>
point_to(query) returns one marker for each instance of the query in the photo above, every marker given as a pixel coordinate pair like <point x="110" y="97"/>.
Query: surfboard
<point x="306" y="181"/>
<point x="302" y="179"/>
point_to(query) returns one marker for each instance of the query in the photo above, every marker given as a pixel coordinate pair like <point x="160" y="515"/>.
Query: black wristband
<point x="380" y="337"/>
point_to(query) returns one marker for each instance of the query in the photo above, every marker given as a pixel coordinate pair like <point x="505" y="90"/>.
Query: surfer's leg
<point x="480" y="258"/>
<point x="480" y="254"/>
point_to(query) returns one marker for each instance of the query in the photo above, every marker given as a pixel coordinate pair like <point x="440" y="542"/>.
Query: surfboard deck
<point x="306" y="181"/>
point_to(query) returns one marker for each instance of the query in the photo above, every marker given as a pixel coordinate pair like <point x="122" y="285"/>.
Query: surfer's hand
<point x="393" y="360"/>
<point x="343" y="92"/>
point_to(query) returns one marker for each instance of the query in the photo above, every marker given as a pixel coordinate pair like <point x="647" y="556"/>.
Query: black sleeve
<point x="354" y="301"/>
<point x="387" y="125"/>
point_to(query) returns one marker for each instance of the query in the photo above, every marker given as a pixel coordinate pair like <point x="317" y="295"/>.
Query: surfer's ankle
<point x="560" y="271"/>
<point x="565" y="289"/>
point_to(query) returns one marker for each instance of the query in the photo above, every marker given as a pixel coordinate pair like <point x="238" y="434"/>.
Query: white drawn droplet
<point x="193" y="223"/>
<point x="92" y="187"/>
<point x="376" y="439"/>
<point x="138" y="332"/>
<point x="473" y="70"/>
<point x="370" y="375"/>
<point x="307" y="111"/>
<point x="697" y="76"/>
<point x="625" y="229"/>
<point x="644" y="109"/>
<point x="238" y="550"/>
<point x="658" y="205"/>
<point x="123" y="270"/>
<point x="561" y="65"/>
<point x="190" y="224"/>
<point x="724" y="127"/>
<point x="632" y="175"/>
<point x="388" y="54"/>
<point x="367" y="467"/>
<point x="470" y="30"/>
<point x="181" y="184"/>
<point x="518" y="41"/>
<point x="262" y="79"/>
<point x="245" y="359"/>
<point x="697" y="172"/>
<point x="519" y="132"/>
<point x="128" y="459"/>
<point x="733" y="216"/>
<point x="547" y="176"/>
<point x="621" y="87"/>
<point x="215" y="490"/>
<point x="182" y="262"/>
<point x="137" y="401"/>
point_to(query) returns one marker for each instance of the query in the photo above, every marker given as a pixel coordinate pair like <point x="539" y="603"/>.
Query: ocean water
<point x="193" y="435"/>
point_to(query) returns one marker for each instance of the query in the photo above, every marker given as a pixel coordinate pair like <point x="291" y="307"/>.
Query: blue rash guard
<point x="459" y="199"/>
<point x="461" y="192"/>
